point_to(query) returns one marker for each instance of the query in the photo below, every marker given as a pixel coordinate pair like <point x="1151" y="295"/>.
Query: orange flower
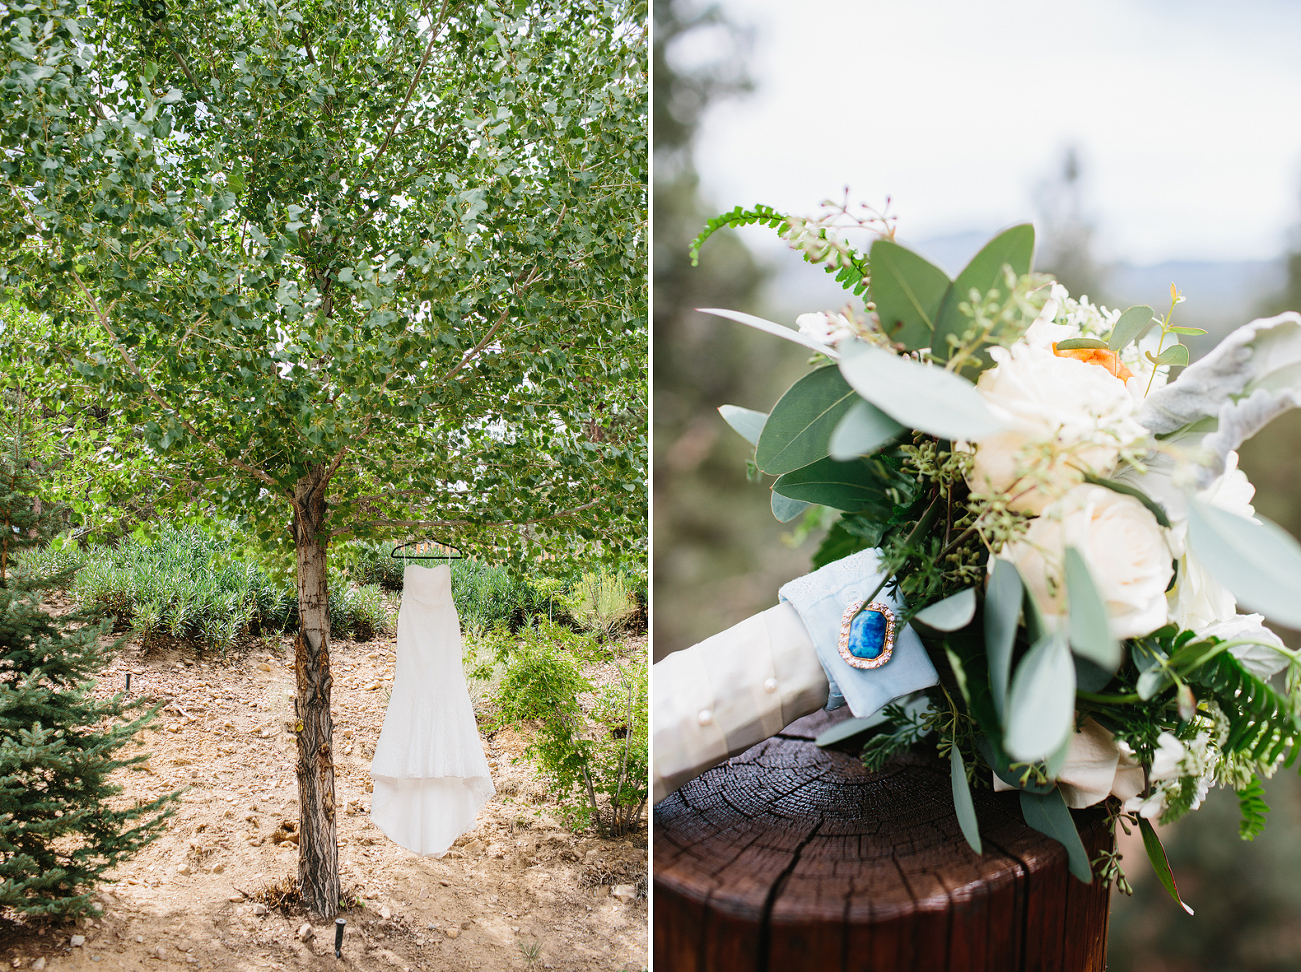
<point x="1100" y="357"/>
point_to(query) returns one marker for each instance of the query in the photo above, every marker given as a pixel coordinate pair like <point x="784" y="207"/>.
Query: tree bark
<point x="318" y="849"/>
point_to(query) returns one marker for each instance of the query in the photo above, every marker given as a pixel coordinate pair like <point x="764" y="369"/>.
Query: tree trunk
<point x="318" y="849"/>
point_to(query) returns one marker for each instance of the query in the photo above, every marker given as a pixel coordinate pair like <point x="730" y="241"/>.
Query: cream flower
<point x="1123" y="545"/>
<point x="1066" y="418"/>
<point x="1259" y="658"/>
<point x="1198" y="599"/>
<point x="1171" y="763"/>
<point x="826" y="328"/>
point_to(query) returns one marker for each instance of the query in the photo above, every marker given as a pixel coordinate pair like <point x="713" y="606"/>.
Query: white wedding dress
<point x="429" y="770"/>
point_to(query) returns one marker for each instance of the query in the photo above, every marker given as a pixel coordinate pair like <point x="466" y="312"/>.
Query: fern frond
<point x="740" y="216"/>
<point x="1253" y="807"/>
<point x="1261" y="723"/>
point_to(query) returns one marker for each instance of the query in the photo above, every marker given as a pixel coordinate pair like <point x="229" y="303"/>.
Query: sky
<point x="1184" y="114"/>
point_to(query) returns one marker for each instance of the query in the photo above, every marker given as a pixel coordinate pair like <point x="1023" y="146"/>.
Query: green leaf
<point x="959" y="673"/>
<point x="1041" y="705"/>
<point x="1013" y="247"/>
<point x="746" y="421"/>
<point x="1048" y="814"/>
<point x="863" y="430"/>
<point x="908" y="291"/>
<point x="1156" y="854"/>
<point x="1132" y="323"/>
<point x="918" y="396"/>
<point x="847" y="486"/>
<point x="1188" y="330"/>
<point x="1176" y="354"/>
<point x="1156" y="509"/>
<point x="768" y="327"/>
<point x="787" y="509"/>
<point x="1090" y="627"/>
<point x="1077" y="344"/>
<point x="1002" y="613"/>
<point x="849" y="729"/>
<point x="799" y="426"/>
<point x="962" y="803"/>
<point x="951" y="613"/>
<point x="1258" y="562"/>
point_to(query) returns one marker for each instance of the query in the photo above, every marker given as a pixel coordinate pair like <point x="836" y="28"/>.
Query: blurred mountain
<point x="1221" y="295"/>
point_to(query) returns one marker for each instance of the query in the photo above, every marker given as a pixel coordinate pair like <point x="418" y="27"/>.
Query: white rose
<point x="1122" y="544"/>
<point x="1198" y="599"/>
<point x="1259" y="658"/>
<point x="1066" y="418"/>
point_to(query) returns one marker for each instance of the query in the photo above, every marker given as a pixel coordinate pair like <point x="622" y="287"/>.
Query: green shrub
<point x="486" y="595"/>
<point x="600" y="603"/>
<point x="595" y="764"/>
<point x="61" y="556"/>
<point x="360" y="613"/>
<point x="187" y="585"/>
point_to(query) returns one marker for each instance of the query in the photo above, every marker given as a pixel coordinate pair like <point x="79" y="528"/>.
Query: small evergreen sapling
<point x="59" y="744"/>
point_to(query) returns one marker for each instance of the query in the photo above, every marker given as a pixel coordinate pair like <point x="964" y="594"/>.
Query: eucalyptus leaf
<point x="847" y="486"/>
<point x="1160" y="864"/>
<point x="849" y="729"/>
<point x="1090" y="627"/>
<point x="1176" y="354"/>
<point x="1189" y="330"/>
<point x="959" y="673"/>
<point x="962" y="802"/>
<point x="1151" y="682"/>
<point x="746" y="421"/>
<point x="1258" y="562"/>
<point x="787" y="509"/>
<point x="1053" y="764"/>
<point x="907" y="291"/>
<point x="863" y="430"/>
<point x="1130" y="327"/>
<point x="1041" y="704"/>
<point x="1013" y="247"/>
<point x="1089" y="677"/>
<point x="1153" y="506"/>
<point x="768" y="327"/>
<point x="950" y="614"/>
<point x="1002" y="613"/>
<point x="1080" y="344"/>
<point x="799" y="426"/>
<point x="1048" y="814"/>
<point x="916" y="395"/>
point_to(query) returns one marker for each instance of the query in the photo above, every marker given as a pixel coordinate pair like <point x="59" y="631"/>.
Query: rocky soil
<point x="518" y="891"/>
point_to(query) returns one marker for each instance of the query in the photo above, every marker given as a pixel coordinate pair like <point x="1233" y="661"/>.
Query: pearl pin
<point x="705" y="717"/>
<point x="770" y="685"/>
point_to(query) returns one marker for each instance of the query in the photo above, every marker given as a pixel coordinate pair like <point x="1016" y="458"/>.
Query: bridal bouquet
<point x="1064" y="522"/>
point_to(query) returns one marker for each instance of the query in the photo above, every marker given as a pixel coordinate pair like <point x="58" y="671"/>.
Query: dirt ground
<point x="518" y="891"/>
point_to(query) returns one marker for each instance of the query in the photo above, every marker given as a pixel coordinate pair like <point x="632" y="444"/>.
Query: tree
<point x="58" y="742"/>
<point x="351" y="267"/>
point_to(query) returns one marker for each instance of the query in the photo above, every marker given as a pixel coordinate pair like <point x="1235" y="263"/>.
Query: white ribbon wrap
<point x="729" y="692"/>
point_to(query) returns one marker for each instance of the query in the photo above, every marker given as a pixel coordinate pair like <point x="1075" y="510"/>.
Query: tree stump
<point x="789" y="857"/>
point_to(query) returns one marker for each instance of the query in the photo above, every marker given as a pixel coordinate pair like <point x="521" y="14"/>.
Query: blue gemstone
<point x="867" y="634"/>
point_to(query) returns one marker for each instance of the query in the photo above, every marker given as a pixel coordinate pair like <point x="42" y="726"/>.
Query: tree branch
<point x="149" y="389"/>
<point x="492" y="331"/>
<point x="433" y="524"/>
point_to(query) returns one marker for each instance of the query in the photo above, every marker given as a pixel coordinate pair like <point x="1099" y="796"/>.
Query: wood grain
<point x="788" y="857"/>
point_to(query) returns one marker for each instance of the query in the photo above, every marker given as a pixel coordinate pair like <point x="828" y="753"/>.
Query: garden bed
<point x="517" y="891"/>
